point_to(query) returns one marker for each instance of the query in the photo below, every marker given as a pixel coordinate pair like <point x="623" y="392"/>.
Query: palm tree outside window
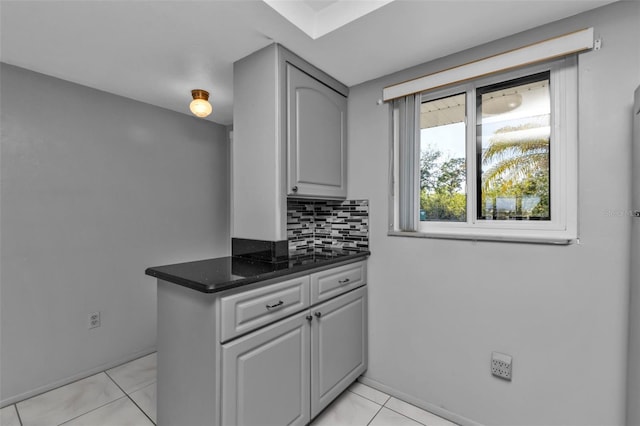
<point x="513" y="137"/>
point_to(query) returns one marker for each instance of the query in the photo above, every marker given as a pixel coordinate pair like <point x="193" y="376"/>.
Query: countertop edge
<point x="222" y="286"/>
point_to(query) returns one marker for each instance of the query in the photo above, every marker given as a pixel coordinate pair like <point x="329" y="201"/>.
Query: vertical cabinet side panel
<point x="188" y="356"/>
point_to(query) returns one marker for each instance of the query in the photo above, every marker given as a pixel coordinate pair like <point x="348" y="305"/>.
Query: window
<point x="443" y="159"/>
<point x="513" y="140"/>
<point x="493" y="158"/>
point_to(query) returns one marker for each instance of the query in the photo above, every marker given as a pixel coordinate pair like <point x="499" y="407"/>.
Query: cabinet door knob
<point x="309" y="317"/>
<point x="294" y="189"/>
<point x="318" y="314"/>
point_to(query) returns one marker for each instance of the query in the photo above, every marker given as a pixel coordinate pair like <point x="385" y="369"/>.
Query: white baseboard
<point x="74" y="378"/>
<point x="439" y="411"/>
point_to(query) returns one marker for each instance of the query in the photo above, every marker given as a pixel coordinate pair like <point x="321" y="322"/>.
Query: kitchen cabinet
<point x="273" y="352"/>
<point x="247" y="310"/>
<point x="338" y="346"/>
<point x="316" y="137"/>
<point x="289" y="131"/>
<point x="335" y="281"/>
<point x="265" y="376"/>
<point x="310" y="357"/>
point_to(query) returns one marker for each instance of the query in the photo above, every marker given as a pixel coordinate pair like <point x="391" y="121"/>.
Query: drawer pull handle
<point x="275" y="305"/>
<point x="346" y="280"/>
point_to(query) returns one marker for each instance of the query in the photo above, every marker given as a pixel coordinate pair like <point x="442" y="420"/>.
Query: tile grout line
<point x="90" y="411"/>
<point x="140" y="408"/>
<point x="388" y="397"/>
<point x="368" y="399"/>
<point x="377" y="412"/>
<point x="409" y="417"/>
<point x="422" y="409"/>
<point x="56" y="388"/>
<point x="18" y="414"/>
<point x="131" y="399"/>
<point x="384" y="405"/>
<point x="60" y="387"/>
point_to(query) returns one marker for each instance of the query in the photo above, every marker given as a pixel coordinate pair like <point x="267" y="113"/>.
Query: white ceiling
<point x="157" y="51"/>
<point x="319" y="17"/>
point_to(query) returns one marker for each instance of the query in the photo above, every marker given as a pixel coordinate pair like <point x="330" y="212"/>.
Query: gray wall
<point x="94" y="189"/>
<point x="438" y="308"/>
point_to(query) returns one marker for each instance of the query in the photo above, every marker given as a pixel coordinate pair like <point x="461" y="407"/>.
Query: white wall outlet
<point x="94" y="320"/>
<point x="501" y="365"/>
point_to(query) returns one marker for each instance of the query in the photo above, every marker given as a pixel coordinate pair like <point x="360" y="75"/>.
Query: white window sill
<point x="548" y="237"/>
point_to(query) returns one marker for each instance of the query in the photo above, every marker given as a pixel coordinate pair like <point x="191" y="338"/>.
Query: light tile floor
<point x="126" y="396"/>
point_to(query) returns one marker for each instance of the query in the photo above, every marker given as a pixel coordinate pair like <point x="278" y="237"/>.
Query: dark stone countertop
<point x="224" y="273"/>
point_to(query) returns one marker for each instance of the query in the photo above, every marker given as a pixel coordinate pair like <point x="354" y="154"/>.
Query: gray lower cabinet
<point x="338" y="346"/>
<point x="270" y="353"/>
<point x="287" y="373"/>
<point x="265" y="376"/>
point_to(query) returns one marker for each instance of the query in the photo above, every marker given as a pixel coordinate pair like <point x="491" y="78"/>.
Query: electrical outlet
<point x="94" y="320"/>
<point x="501" y="365"/>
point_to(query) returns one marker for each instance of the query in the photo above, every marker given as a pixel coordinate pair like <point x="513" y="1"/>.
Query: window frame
<point x="562" y="227"/>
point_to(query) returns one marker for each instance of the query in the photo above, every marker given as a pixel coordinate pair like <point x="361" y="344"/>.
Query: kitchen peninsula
<point x="248" y="342"/>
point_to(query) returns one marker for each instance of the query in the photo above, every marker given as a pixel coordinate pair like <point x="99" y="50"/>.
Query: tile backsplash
<point x="323" y="226"/>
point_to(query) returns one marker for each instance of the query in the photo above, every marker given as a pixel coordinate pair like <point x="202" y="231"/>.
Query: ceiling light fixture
<point x="200" y="105"/>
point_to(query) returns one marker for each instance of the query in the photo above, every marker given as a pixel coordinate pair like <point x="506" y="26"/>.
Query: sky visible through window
<point x="448" y="139"/>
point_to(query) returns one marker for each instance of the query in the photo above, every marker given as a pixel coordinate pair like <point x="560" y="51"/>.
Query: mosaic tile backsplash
<point x="315" y="226"/>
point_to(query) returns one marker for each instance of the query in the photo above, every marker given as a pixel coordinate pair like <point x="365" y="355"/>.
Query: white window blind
<point x="541" y="51"/>
<point x="409" y="127"/>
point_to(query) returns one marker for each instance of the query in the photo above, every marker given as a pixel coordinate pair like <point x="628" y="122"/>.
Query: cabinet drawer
<point x="332" y="282"/>
<point x="248" y="310"/>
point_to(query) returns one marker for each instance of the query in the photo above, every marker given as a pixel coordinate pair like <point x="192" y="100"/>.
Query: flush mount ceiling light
<point x="319" y="17"/>
<point x="200" y="105"/>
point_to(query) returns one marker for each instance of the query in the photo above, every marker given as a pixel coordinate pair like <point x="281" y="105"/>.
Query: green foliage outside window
<point x="517" y="171"/>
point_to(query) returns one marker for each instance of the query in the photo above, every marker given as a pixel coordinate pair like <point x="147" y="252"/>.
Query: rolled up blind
<point x="541" y="51"/>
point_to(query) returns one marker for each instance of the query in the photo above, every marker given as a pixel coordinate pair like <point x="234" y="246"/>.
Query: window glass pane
<point x="513" y="130"/>
<point x="443" y="160"/>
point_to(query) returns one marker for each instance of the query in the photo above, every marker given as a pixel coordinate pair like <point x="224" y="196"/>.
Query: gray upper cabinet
<point x="316" y="137"/>
<point x="289" y="131"/>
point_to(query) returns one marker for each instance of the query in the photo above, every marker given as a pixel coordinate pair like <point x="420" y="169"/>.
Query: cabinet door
<point x="265" y="376"/>
<point x="316" y="137"/>
<point x="338" y="346"/>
